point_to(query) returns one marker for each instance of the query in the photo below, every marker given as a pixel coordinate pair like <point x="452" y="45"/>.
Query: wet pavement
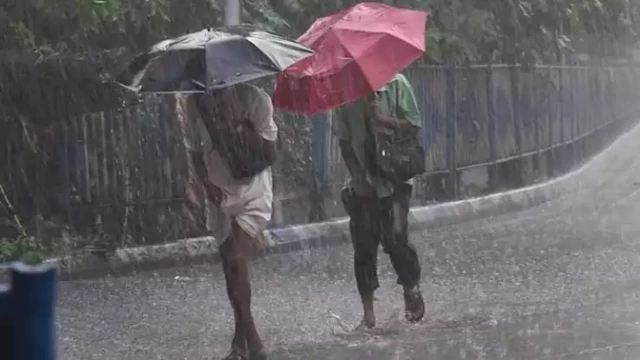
<point x="559" y="281"/>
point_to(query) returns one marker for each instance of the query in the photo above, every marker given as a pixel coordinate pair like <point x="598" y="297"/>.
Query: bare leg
<point x="239" y="342"/>
<point x="403" y="255"/>
<point x="369" y="317"/>
<point x="365" y="241"/>
<point x="235" y="252"/>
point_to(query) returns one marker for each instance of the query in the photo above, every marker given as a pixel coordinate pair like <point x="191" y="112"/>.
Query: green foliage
<point x="63" y="25"/>
<point x="469" y="30"/>
<point x="25" y="249"/>
<point x="28" y="249"/>
<point x="31" y="250"/>
<point x="533" y="30"/>
<point x="502" y="30"/>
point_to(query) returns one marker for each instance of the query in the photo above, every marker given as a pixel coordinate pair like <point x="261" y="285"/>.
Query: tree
<point x="461" y="31"/>
<point x="80" y="25"/>
<point x="534" y="30"/>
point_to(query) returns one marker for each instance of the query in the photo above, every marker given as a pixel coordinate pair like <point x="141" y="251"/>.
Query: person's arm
<point x="351" y="161"/>
<point x="342" y="131"/>
<point x="260" y="130"/>
<point x="394" y="123"/>
<point x="256" y="140"/>
<point x="197" y="158"/>
<point x="407" y="117"/>
<point x="187" y="116"/>
<point x="214" y="193"/>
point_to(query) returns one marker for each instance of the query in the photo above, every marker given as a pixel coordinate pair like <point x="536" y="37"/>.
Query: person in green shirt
<point x="378" y="208"/>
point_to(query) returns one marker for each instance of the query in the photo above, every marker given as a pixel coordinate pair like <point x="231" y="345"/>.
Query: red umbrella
<point x="357" y="51"/>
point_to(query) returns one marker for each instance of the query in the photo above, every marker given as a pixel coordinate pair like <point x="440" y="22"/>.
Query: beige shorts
<point x="252" y="215"/>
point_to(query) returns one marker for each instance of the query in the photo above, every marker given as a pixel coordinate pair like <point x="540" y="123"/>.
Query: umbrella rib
<point x="346" y="49"/>
<point x="353" y="58"/>
<point x="272" y="60"/>
<point x="168" y="66"/>
<point x="385" y="32"/>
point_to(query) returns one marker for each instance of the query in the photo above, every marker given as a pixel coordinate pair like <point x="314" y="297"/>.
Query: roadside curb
<point x="308" y="236"/>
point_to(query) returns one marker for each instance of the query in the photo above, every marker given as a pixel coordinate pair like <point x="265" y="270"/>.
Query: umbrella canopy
<point x="357" y="51"/>
<point x="211" y="58"/>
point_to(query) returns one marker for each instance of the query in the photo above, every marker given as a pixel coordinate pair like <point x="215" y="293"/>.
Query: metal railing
<point x="125" y="172"/>
<point x="484" y="116"/>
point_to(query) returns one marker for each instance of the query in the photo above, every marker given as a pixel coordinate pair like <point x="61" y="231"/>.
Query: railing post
<point x="572" y="120"/>
<point x="452" y="133"/>
<point x="534" y="118"/>
<point x="492" y="169"/>
<point x="516" y="177"/>
<point x="232" y="11"/>
<point x="560" y="150"/>
<point x="550" y="120"/>
<point x="66" y="166"/>
<point x="587" y="114"/>
<point x="321" y="127"/>
<point x="602" y="114"/>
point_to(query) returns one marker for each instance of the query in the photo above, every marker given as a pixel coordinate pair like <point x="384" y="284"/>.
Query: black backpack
<point x="245" y="160"/>
<point x="397" y="157"/>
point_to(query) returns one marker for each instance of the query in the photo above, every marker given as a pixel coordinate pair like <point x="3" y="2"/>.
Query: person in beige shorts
<point x="241" y="207"/>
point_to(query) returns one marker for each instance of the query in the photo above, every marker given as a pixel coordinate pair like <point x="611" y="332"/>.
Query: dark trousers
<point x="374" y="221"/>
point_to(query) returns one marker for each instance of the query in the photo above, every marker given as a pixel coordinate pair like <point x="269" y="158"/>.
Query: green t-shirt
<point x="397" y="99"/>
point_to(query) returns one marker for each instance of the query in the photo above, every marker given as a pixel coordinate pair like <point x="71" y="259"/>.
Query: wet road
<point x="560" y="281"/>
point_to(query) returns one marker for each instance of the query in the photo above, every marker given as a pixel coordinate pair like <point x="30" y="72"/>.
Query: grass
<point x="26" y="248"/>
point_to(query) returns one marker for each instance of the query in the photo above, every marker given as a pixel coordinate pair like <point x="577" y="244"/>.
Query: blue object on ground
<point x="33" y="301"/>
<point x="6" y="336"/>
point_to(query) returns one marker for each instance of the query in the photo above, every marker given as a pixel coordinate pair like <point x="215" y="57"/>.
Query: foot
<point x="367" y="323"/>
<point x="254" y="344"/>
<point x="413" y="304"/>
<point x="236" y="354"/>
<point x="257" y="354"/>
<point x="369" y="318"/>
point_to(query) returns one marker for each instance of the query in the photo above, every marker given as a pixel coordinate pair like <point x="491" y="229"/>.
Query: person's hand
<point x="373" y="110"/>
<point x="214" y="193"/>
<point x="379" y="122"/>
<point x="242" y="126"/>
<point x="361" y="186"/>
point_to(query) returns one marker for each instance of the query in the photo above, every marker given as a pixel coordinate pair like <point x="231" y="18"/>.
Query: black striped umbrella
<point x="209" y="59"/>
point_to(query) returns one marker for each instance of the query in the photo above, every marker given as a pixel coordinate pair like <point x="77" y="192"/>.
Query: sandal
<point x="257" y="354"/>
<point x="236" y="354"/>
<point x="414" y="305"/>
